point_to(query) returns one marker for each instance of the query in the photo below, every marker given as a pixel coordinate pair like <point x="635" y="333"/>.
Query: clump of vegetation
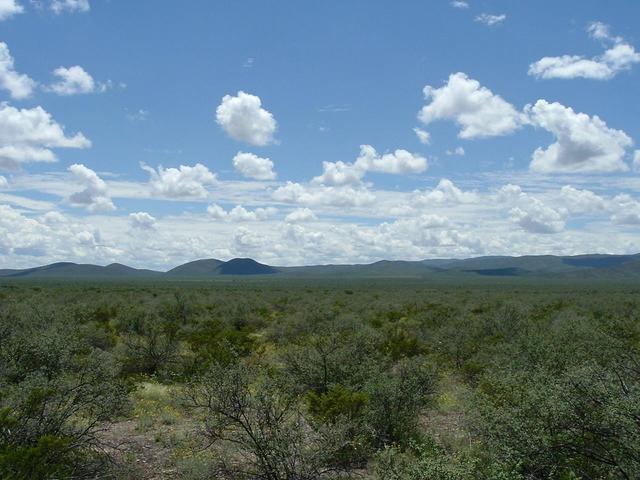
<point x="317" y="380"/>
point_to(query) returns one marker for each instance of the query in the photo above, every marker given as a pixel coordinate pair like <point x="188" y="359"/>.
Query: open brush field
<point x="319" y="379"/>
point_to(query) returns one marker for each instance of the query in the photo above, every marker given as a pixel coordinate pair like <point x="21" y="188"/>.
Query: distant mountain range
<point x="543" y="266"/>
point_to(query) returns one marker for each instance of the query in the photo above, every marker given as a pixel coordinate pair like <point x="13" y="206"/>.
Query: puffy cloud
<point x="17" y="84"/>
<point x="4" y="183"/>
<point x="95" y="196"/>
<point x="253" y="166"/>
<point x="74" y="81"/>
<point x="619" y="57"/>
<point x="536" y="217"/>
<point x="339" y="173"/>
<point x="9" y="8"/>
<point x="491" y="20"/>
<point x="423" y="136"/>
<point x="626" y="210"/>
<point x="444" y="192"/>
<point x="636" y="160"/>
<point x="581" y="201"/>
<point x="28" y="135"/>
<point x="476" y="109"/>
<point x="529" y="212"/>
<point x="46" y="238"/>
<point x="322" y="195"/>
<point x="583" y="143"/>
<point x="459" y="151"/>
<point x="244" y="119"/>
<point x="240" y="214"/>
<point x="142" y="221"/>
<point x="181" y="182"/>
<point x="300" y="215"/>
<point x="60" y="6"/>
<point x="459" y="4"/>
<point x="398" y="162"/>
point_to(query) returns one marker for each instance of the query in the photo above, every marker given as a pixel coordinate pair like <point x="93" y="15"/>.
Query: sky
<point x="301" y="132"/>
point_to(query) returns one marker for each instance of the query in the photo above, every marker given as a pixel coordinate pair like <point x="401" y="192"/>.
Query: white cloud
<point x="491" y="20"/>
<point x="142" y="221"/>
<point x="579" y="201"/>
<point x="459" y="4"/>
<point x="4" y="183"/>
<point x="75" y="81"/>
<point x="95" y="196"/>
<point x="636" y="160"/>
<point x="244" y="119"/>
<point x="478" y="111"/>
<point x="252" y="166"/>
<point x="239" y="214"/>
<point x="9" y="8"/>
<point x="626" y="210"/>
<point x="445" y="192"/>
<point x="399" y="162"/>
<point x="583" y="143"/>
<point x="339" y="173"/>
<point x="423" y="136"/>
<point x="300" y="215"/>
<point x="619" y="57"/>
<point x="18" y="85"/>
<point x="345" y="196"/>
<point x="181" y="182"/>
<point x="458" y="151"/>
<point x="28" y="135"/>
<point x="536" y="217"/>
<point x="60" y="6"/>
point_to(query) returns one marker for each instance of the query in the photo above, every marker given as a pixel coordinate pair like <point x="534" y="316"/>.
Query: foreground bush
<point x="55" y="394"/>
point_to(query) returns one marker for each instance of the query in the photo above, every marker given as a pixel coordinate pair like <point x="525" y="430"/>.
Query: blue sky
<point x="127" y="138"/>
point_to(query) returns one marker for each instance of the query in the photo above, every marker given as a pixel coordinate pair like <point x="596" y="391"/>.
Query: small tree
<point x="261" y="429"/>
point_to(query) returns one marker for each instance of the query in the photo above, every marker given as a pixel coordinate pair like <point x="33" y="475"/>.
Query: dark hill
<point x="245" y="266"/>
<point x="197" y="268"/>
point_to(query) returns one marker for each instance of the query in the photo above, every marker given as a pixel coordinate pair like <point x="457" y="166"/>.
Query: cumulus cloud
<point x="445" y="192"/>
<point x="45" y="238"/>
<point x="459" y="4"/>
<point x="399" y="162"/>
<point x="244" y="119"/>
<point x="181" y="182"/>
<point x="9" y="8"/>
<point x="423" y="136"/>
<point x="490" y="20"/>
<point x="252" y="166"/>
<point x="95" y="196"/>
<point x="60" y="6"/>
<point x="476" y="109"/>
<point x="18" y="85"/>
<point x="618" y="57"/>
<point x="536" y="217"/>
<point x="300" y="215"/>
<point x="344" y="196"/>
<point x="626" y="210"/>
<point x="240" y="214"/>
<point x="529" y="212"/>
<point x="142" y="221"/>
<point x="74" y="81"/>
<point x="580" y="201"/>
<point x="583" y="143"/>
<point x="29" y="134"/>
